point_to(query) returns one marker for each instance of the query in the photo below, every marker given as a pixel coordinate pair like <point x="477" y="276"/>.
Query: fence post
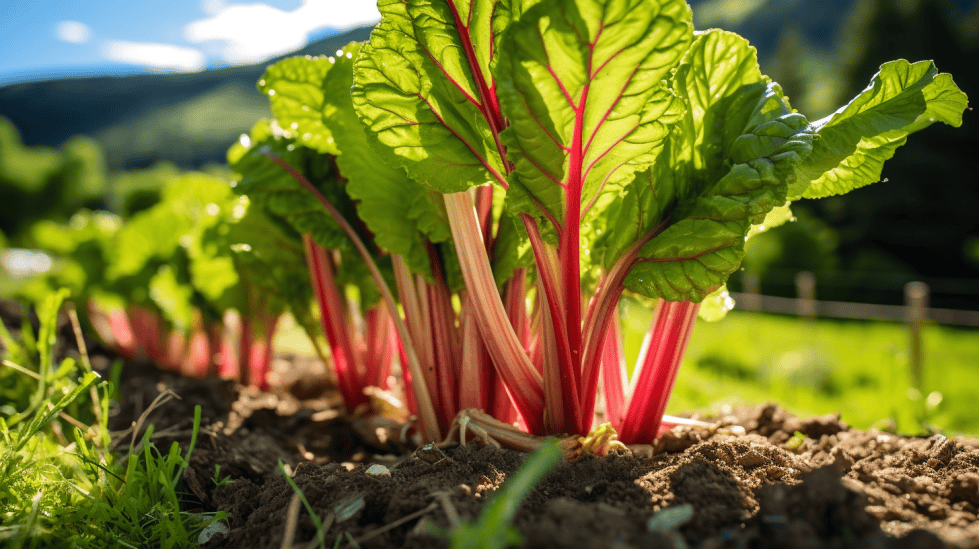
<point x="916" y="303"/>
<point x="751" y="288"/>
<point x="805" y="287"/>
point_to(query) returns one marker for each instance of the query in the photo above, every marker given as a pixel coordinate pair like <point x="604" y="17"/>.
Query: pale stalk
<point x="508" y="354"/>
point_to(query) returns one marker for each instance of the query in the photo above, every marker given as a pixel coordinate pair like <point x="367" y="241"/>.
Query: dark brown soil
<point x="842" y="488"/>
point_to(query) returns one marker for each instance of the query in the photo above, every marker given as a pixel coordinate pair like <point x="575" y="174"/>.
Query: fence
<point x="915" y="311"/>
<point x="807" y="305"/>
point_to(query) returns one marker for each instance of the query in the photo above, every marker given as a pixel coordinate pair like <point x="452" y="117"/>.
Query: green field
<point x="859" y="368"/>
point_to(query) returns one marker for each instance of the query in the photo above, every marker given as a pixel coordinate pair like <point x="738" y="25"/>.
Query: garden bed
<point x="841" y="488"/>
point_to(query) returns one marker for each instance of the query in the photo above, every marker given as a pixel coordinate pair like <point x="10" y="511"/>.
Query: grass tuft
<point x="60" y="484"/>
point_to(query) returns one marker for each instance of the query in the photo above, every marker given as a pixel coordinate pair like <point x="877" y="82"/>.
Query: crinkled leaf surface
<point x="582" y="84"/>
<point x="423" y="88"/>
<point x="854" y="142"/>
<point x="726" y="165"/>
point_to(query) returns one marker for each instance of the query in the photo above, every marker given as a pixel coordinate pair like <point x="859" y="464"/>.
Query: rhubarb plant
<point x="357" y="327"/>
<point x="635" y="154"/>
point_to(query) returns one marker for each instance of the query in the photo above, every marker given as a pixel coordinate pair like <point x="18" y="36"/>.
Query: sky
<point x="49" y="38"/>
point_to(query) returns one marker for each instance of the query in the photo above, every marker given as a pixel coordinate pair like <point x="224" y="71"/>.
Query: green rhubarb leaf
<point x="268" y="263"/>
<point x="382" y="189"/>
<point x="278" y="193"/>
<point x="715" y="306"/>
<point x="582" y="84"/>
<point x="155" y="234"/>
<point x="271" y="263"/>
<point x="212" y="269"/>
<point x="854" y="142"/>
<point x="295" y="90"/>
<point x="423" y="88"/>
<point x="285" y="200"/>
<point x="173" y="296"/>
<point x="779" y="216"/>
<point x="726" y="165"/>
<point x="511" y="249"/>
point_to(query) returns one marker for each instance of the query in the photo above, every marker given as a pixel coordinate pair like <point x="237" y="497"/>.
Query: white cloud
<point x="73" y="32"/>
<point x="212" y="7"/>
<point x="157" y="56"/>
<point x="256" y="32"/>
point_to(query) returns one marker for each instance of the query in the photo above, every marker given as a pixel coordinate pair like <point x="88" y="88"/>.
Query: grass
<point x="859" y="368"/>
<point x="60" y="485"/>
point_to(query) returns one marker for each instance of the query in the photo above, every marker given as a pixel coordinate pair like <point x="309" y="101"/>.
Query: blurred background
<point x="101" y="104"/>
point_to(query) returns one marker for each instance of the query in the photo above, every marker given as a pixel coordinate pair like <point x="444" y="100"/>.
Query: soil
<point x="700" y="488"/>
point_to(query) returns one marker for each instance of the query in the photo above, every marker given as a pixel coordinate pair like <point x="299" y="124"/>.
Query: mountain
<point x="189" y="119"/>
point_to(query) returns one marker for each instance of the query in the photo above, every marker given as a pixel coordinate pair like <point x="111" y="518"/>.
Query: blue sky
<point x="47" y="38"/>
<point x="41" y="39"/>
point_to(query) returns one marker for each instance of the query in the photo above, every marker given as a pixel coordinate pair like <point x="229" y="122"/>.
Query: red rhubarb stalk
<point x="244" y="351"/>
<point x="122" y="332"/>
<point x="615" y="377"/>
<point x="509" y="359"/>
<point x="335" y="326"/>
<point x="475" y="366"/>
<point x="446" y="346"/>
<point x="199" y="352"/>
<point x="655" y="375"/>
<point x="381" y="342"/>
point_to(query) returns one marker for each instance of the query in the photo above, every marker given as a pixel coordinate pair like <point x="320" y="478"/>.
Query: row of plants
<point x="511" y="169"/>
<point x="196" y="282"/>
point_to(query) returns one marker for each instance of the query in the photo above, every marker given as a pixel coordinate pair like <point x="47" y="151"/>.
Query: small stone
<point x="211" y="530"/>
<point x="348" y="508"/>
<point x="670" y="518"/>
<point x="378" y="470"/>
